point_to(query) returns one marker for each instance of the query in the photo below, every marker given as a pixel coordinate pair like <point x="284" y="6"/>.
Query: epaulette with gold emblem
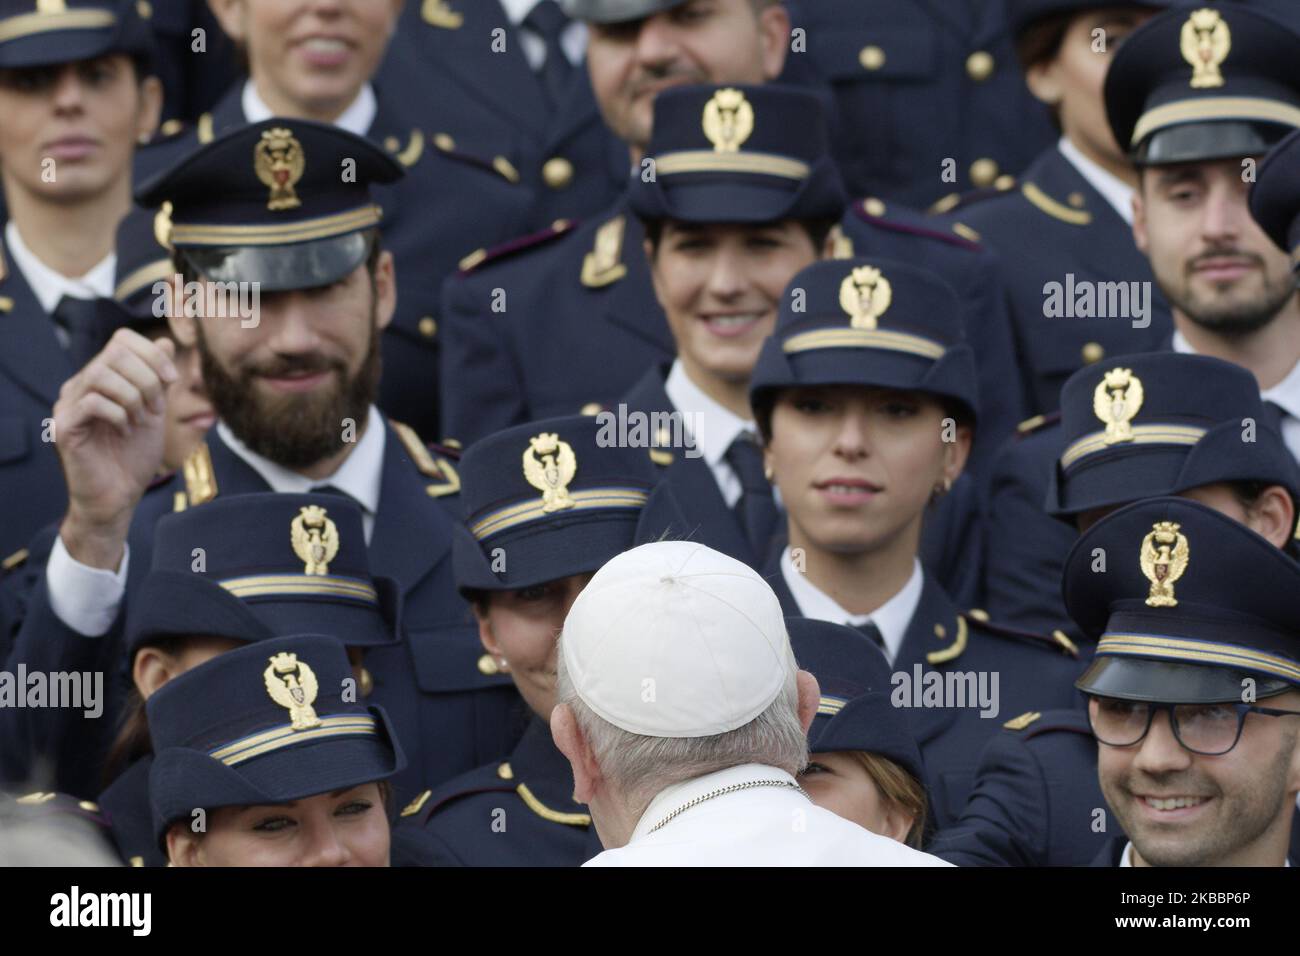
<point x="414" y="807"/>
<point x="896" y="218"/>
<point x="1015" y="723"/>
<point x="200" y="481"/>
<point x="483" y="257"/>
<point x="44" y="803"/>
<point x="408" y="151"/>
<point x="447" y="145"/>
<point x="1036" y="424"/>
<point x="434" y="462"/>
<point x="14" y="561"/>
<point x="603" y="265"/>
<point x="1057" y="640"/>
<point x="1073" y="210"/>
<point x="954" y="201"/>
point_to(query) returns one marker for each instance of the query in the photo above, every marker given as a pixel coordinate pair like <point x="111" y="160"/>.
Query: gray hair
<point x="638" y="766"/>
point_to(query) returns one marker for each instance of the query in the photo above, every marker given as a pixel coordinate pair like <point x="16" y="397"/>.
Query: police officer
<point x="1194" y="692"/>
<point x="530" y="542"/>
<point x="1132" y="427"/>
<point x="566" y="319"/>
<point x="929" y="94"/>
<point x="1275" y="197"/>
<point x="318" y="63"/>
<point x="866" y="402"/>
<point x="76" y="94"/>
<point x="514" y="92"/>
<point x="275" y="726"/>
<point x="293" y="381"/>
<point x="1067" y="224"/>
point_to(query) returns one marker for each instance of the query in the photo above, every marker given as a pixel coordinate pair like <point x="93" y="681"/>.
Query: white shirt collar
<point x="49" y="286"/>
<point x="1285" y="394"/>
<point x="892" y="617"/>
<point x="357" y="118"/>
<point x="1113" y="189"/>
<point x="717" y="425"/>
<point x="360" y="475"/>
<point x="670" y="798"/>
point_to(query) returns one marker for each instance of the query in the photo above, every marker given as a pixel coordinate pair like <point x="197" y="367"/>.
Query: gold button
<point x="487" y="665"/>
<point x="557" y="172"/>
<point x="983" y="172"/>
<point x="171" y="127"/>
<point x="871" y="57"/>
<point x="873" y="207"/>
<point x="428" y="327"/>
<point x="392" y="144"/>
<point x="145" y="9"/>
<point x="367" y="683"/>
<point x="506" y="772"/>
<point x="1076" y="200"/>
<point x="591" y="408"/>
<point x="1092" y="352"/>
<point x="444" y="142"/>
<point x="88" y="806"/>
<point x="979" y="66"/>
<point x="979" y="614"/>
<point x="452" y="443"/>
<point x="1004" y="182"/>
<point x="940" y="632"/>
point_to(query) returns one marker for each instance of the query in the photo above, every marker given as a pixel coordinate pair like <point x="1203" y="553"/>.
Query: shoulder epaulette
<point x="1057" y="640"/>
<point x="15" y="560"/>
<point x="200" y="482"/>
<point x="603" y="265"/>
<point x="954" y="201"/>
<point x="481" y="157"/>
<point x="900" y="219"/>
<point x="408" y="153"/>
<point x="412" y="808"/>
<point x="1071" y="211"/>
<point x="546" y="813"/>
<point x="62" y="804"/>
<point x="1015" y="723"/>
<point x="482" y="257"/>
<point x="1070" y="721"/>
<point x="1037" y="423"/>
<point x="432" y="461"/>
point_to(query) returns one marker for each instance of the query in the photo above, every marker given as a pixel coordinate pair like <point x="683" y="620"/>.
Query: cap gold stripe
<point x="1142" y="435"/>
<point x="350" y="725"/>
<point x="863" y="339"/>
<point x="322" y="228"/>
<point x="588" y="498"/>
<point x="30" y="24"/>
<point x="289" y="585"/>
<point x="1197" y="652"/>
<point x="159" y="270"/>
<point x="708" y="161"/>
<point x="1215" y="108"/>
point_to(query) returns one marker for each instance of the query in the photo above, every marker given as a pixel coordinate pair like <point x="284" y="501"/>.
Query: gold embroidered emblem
<point x="603" y="266"/>
<point x="1117" y="398"/>
<point x="436" y="13"/>
<point x="865" y="295"/>
<point x="728" y="120"/>
<point x="292" y="684"/>
<point x="200" y="482"/>
<point x="1205" y="41"/>
<point x="279" y="164"/>
<point x="315" y="539"/>
<point x="1163" y="561"/>
<point x="549" y="466"/>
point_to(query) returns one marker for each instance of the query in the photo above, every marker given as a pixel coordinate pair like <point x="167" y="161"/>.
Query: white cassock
<point x="762" y="826"/>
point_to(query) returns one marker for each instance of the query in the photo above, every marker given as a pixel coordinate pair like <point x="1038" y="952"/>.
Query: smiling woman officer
<point x="532" y="539"/>
<point x="866" y="402"/>
<point x="267" y="747"/>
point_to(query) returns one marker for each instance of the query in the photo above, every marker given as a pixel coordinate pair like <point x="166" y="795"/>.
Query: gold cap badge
<point x="1115" y="401"/>
<point x="279" y="164"/>
<point x="1205" y="42"/>
<point x="865" y="295"/>
<point x="1163" y="560"/>
<point x="728" y="120"/>
<point x="292" y="684"/>
<point x="549" y="466"/>
<point x="315" y="539"/>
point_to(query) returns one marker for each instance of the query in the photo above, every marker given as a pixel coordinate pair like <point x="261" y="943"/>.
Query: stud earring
<point x="768" y="473"/>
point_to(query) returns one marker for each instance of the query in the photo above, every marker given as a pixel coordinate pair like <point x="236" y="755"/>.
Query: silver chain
<point x="722" y="791"/>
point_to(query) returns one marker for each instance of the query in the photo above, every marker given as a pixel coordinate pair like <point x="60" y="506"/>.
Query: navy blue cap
<point x="854" y="712"/>
<point x="1275" y="196"/>
<point x="143" y="260"/>
<point x="1025" y="13"/>
<point x="871" y="323"/>
<point x="615" y="11"/>
<point x="269" y="723"/>
<point x="1202" y="83"/>
<point x="1190" y="604"/>
<point x="37" y="33"/>
<point x="273" y="564"/>
<point x="553" y="498"/>
<point x="739" y="154"/>
<point x="1162" y="423"/>
<point x="273" y="203"/>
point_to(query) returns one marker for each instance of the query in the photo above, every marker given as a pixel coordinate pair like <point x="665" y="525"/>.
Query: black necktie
<point x="873" y="634"/>
<point x="548" y="21"/>
<point x="756" y="508"/>
<point x="80" y="319"/>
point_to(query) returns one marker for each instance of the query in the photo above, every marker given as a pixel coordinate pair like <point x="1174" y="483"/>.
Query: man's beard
<point x="295" y="430"/>
<point x="1238" y="316"/>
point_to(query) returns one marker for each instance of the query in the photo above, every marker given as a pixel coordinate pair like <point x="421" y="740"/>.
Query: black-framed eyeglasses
<point x="1207" y="729"/>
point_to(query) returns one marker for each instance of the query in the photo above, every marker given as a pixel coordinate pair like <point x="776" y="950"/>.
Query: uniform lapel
<point x="234" y="476"/>
<point x="412" y="534"/>
<point x="30" y="352"/>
